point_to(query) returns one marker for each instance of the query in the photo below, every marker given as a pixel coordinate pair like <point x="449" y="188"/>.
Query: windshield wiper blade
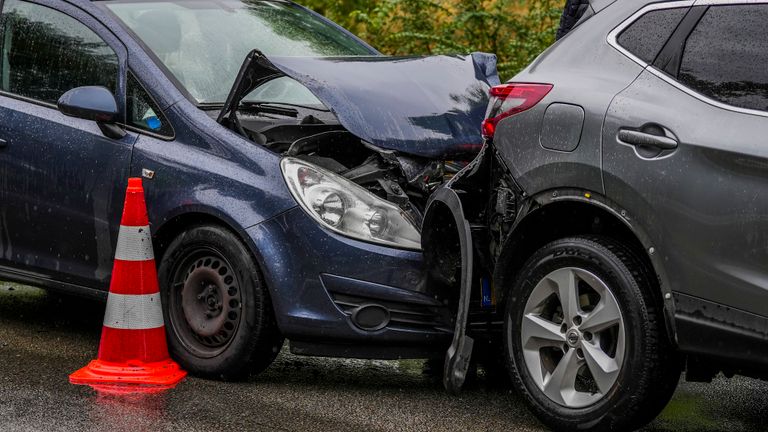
<point x="269" y="108"/>
<point x="288" y="104"/>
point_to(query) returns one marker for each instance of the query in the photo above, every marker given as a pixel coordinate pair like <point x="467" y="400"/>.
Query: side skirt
<point x="40" y="281"/>
<point x="735" y="339"/>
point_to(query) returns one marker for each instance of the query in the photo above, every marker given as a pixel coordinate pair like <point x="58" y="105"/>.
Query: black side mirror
<point x="93" y="103"/>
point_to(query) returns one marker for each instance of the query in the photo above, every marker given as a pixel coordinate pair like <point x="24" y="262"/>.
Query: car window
<point x="284" y="90"/>
<point x="143" y="113"/>
<point x="203" y="43"/>
<point x="46" y="53"/>
<point x="646" y="37"/>
<point x="726" y="56"/>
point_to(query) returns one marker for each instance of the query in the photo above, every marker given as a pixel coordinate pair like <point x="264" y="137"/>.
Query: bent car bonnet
<point x="424" y="106"/>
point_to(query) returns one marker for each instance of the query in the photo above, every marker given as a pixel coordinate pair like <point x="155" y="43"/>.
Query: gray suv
<point x="614" y="230"/>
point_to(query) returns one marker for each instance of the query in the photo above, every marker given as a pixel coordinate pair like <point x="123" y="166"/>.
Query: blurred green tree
<point x="516" y="30"/>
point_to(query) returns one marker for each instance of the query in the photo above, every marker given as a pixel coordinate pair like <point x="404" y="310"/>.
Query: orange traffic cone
<point x="133" y="350"/>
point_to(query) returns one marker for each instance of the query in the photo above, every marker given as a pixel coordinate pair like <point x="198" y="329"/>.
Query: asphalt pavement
<point x="44" y="337"/>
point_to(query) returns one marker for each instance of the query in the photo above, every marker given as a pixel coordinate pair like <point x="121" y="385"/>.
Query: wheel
<point x="218" y="313"/>
<point x="585" y="339"/>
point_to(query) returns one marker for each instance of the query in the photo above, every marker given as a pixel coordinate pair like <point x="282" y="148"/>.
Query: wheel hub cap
<point x="573" y="338"/>
<point x="572" y="335"/>
<point x="210" y="296"/>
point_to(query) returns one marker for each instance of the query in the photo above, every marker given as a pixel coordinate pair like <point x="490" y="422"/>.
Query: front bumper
<point x="319" y="279"/>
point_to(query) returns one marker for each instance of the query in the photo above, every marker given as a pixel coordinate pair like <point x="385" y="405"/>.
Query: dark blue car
<point x="287" y="165"/>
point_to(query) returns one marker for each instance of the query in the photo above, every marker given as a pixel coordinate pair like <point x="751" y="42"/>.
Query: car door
<point x="685" y="152"/>
<point x="62" y="181"/>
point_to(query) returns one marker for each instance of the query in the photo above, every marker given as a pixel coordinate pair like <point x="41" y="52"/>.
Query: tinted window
<point x="726" y="56"/>
<point x="646" y="37"/>
<point x="143" y="112"/>
<point x="46" y="53"/>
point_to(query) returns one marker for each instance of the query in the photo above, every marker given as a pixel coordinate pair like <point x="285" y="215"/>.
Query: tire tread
<point x="660" y="366"/>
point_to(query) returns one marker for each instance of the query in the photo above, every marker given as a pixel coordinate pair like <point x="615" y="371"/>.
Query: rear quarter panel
<point x="585" y="72"/>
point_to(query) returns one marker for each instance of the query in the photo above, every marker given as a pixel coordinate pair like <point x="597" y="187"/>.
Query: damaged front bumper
<point x="339" y="297"/>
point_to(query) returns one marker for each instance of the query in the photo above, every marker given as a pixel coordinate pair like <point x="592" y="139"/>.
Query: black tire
<point x="651" y="369"/>
<point x="224" y="326"/>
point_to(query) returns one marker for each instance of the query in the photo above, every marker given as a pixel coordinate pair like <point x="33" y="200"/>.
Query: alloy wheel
<point x="573" y="335"/>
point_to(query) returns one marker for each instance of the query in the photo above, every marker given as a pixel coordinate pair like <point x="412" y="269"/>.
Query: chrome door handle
<point x="638" y="138"/>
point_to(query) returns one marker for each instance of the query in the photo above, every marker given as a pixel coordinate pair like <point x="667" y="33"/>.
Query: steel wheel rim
<point x="205" y="303"/>
<point x="573" y="337"/>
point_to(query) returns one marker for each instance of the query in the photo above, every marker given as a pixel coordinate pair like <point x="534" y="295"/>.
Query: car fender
<point x="538" y="203"/>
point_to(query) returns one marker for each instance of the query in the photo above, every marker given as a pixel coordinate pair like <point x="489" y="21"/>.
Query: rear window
<point x="647" y="35"/>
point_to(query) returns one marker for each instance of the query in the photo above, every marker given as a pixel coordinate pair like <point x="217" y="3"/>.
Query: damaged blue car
<point x="287" y="166"/>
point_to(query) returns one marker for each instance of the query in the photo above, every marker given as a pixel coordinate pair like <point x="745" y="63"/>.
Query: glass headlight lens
<point x="347" y="208"/>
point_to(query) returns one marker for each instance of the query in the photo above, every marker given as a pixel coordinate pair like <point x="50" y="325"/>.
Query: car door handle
<point x="644" y="139"/>
<point x="3" y="143"/>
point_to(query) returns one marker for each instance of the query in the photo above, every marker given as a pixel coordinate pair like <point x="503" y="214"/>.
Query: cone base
<point x="126" y="377"/>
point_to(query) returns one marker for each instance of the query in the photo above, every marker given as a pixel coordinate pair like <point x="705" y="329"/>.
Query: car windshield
<point x="203" y="42"/>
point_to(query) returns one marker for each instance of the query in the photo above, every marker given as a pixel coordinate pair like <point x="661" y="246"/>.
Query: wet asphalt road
<point x="45" y="337"/>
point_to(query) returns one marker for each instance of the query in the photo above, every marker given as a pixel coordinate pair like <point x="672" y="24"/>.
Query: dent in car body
<point x="424" y="106"/>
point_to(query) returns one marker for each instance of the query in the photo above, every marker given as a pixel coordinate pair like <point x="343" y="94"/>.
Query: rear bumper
<point x="318" y="280"/>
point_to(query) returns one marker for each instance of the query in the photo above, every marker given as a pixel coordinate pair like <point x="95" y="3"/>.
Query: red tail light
<point x="510" y="99"/>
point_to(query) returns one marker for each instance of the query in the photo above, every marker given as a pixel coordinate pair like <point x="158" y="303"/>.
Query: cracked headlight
<point x="347" y="208"/>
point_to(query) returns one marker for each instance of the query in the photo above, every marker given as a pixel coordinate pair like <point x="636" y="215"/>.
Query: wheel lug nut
<point x="577" y="320"/>
<point x="563" y="328"/>
<point x="587" y="336"/>
<point x="579" y="353"/>
<point x="566" y="348"/>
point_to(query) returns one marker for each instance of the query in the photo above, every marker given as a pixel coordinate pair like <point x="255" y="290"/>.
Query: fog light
<point x="330" y="208"/>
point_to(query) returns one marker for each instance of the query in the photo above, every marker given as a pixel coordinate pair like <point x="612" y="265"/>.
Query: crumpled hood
<point x="425" y="106"/>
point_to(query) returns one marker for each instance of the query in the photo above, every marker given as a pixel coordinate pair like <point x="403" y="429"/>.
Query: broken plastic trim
<point x="459" y="354"/>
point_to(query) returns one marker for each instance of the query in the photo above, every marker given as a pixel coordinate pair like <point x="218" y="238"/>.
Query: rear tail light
<point x="510" y="99"/>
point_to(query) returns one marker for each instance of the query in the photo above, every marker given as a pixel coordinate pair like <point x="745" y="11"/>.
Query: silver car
<point x="614" y="230"/>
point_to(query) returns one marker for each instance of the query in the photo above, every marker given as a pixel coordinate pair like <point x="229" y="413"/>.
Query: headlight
<point x="347" y="208"/>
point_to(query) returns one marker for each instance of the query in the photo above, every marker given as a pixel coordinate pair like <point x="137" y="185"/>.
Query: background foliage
<point x="516" y="30"/>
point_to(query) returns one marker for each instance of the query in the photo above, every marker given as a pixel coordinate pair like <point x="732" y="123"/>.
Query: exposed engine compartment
<point x="354" y="121"/>
<point x="314" y="135"/>
<point x="317" y="138"/>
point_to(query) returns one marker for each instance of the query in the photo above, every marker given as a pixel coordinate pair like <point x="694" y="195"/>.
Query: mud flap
<point x="459" y="354"/>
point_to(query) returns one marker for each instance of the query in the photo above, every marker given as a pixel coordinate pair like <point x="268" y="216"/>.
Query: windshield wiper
<point x="269" y="108"/>
<point x="288" y="104"/>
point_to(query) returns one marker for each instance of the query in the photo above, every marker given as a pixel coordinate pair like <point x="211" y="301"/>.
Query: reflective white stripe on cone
<point x="134" y="244"/>
<point x="133" y="312"/>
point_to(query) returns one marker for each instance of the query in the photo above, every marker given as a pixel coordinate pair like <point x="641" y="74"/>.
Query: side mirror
<point x="89" y="103"/>
<point x="93" y="103"/>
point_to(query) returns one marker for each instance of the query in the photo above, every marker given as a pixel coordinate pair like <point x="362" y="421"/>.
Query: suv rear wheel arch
<point x="562" y="213"/>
